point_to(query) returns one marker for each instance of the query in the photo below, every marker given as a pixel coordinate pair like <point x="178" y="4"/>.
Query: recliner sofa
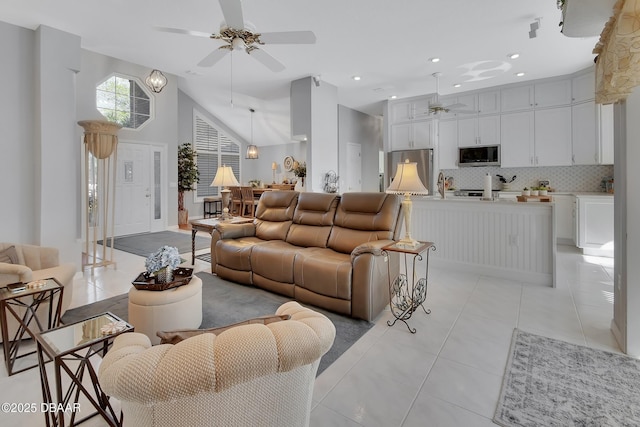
<point x="321" y="249"/>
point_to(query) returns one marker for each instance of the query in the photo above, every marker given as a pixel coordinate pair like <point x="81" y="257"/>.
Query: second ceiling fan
<point x="238" y="34"/>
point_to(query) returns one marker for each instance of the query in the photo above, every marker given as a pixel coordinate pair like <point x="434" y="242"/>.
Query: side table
<point x="212" y="206"/>
<point x="23" y="306"/>
<point x="407" y="294"/>
<point x="72" y="347"/>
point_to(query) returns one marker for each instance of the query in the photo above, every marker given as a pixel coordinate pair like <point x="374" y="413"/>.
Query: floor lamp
<point x="407" y="182"/>
<point x="100" y="165"/>
<point x="225" y="178"/>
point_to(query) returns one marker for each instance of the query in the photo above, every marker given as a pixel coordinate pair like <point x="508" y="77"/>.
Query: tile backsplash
<point x="561" y="178"/>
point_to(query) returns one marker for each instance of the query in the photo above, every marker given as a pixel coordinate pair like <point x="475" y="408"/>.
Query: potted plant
<point x="534" y="191"/>
<point x="300" y="170"/>
<point x="188" y="176"/>
<point x="543" y="190"/>
<point x="526" y="191"/>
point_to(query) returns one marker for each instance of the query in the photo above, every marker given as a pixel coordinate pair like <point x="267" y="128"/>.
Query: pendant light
<point x="156" y="81"/>
<point x="252" y="150"/>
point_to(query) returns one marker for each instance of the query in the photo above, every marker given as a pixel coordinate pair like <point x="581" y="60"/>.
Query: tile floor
<point x="448" y="374"/>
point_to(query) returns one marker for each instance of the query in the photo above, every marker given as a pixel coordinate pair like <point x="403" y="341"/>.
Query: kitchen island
<point x="500" y="238"/>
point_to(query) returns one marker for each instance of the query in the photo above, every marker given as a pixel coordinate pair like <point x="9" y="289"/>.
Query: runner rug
<point x="224" y="303"/>
<point x="554" y="383"/>
<point x="144" y="244"/>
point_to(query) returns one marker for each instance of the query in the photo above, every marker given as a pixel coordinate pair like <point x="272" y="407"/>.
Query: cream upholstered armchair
<point x="248" y="375"/>
<point x="25" y="263"/>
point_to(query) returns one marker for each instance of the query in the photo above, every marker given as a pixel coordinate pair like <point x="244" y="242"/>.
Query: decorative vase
<point x="164" y="275"/>
<point x="300" y="184"/>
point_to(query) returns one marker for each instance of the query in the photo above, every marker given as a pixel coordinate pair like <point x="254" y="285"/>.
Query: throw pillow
<point x="174" y="337"/>
<point x="9" y="255"/>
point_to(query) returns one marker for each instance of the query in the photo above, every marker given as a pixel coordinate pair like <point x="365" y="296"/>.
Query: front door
<point x="354" y="172"/>
<point x="133" y="189"/>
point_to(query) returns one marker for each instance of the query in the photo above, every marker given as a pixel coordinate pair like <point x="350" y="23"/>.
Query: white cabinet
<point x="595" y="224"/>
<point x="404" y="111"/>
<point x="489" y="102"/>
<point x="565" y="214"/>
<point x="605" y="134"/>
<point x="483" y="130"/>
<point x="516" y="98"/>
<point x="583" y="87"/>
<point x="552" y="137"/>
<point x="416" y="134"/>
<point x="552" y="93"/>
<point x="448" y="144"/>
<point x="584" y="134"/>
<point x="517" y="139"/>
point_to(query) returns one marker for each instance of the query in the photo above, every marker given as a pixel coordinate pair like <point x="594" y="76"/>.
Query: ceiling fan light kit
<point x="252" y="150"/>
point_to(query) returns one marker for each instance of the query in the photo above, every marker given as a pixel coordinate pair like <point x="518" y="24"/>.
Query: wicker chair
<point x="249" y="375"/>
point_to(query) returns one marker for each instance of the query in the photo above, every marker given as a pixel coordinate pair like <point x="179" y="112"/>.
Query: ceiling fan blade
<point x="232" y="11"/>
<point x="181" y="31"/>
<point x="215" y="56"/>
<point x="463" y="111"/>
<point x="293" y="37"/>
<point x="455" y="106"/>
<point x="267" y="60"/>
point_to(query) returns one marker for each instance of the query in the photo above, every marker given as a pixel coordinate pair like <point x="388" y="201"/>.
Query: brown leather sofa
<point x="321" y="249"/>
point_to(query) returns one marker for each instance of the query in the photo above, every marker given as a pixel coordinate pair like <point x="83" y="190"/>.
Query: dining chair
<point x="236" y="200"/>
<point x="249" y="201"/>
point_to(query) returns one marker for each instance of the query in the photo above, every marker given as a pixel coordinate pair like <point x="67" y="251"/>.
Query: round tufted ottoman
<point x="176" y="308"/>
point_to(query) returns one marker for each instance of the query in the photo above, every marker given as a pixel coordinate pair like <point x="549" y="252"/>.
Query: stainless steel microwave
<point x="479" y="155"/>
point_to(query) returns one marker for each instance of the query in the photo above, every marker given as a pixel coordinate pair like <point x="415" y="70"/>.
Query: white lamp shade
<point x="224" y="177"/>
<point x="407" y="180"/>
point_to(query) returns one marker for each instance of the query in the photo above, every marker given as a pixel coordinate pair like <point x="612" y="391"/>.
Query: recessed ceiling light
<point x="513" y="55"/>
<point x="434" y="59"/>
<point x="356" y="78"/>
<point x="457" y="85"/>
<point x="520" y="74"/>
<point x="393" y="97"/>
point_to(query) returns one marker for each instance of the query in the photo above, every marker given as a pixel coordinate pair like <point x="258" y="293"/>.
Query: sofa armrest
<point x="235" y="231"/>
<point x="373" y="248"/>
<point x="12" y="273"/>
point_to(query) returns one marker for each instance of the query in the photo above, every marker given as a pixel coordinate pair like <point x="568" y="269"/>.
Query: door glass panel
<point x="157" y="190"/>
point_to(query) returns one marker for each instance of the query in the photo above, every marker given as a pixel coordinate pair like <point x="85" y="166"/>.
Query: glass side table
<point x="407" y="293"/>
<point x="72" y="347"/>
<point x="22" y="305"/>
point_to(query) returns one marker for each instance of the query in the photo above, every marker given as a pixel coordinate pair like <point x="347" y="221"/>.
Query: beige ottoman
<point x="177" y="308"/>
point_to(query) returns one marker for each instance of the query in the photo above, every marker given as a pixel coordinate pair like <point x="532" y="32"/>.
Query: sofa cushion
<point x="312" y="219"/>
<point x="325" y="272"/>
<point x="9" y="255"/>
<point x="363" y="217"/>
<point x="274" y="260"/>
<point x="274" y="214"/>
<point x="236" y="253"/>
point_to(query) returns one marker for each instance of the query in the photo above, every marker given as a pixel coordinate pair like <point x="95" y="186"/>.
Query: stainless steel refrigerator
<point x="424" y="159"/>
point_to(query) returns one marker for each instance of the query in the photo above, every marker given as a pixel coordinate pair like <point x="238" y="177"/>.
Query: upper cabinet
<point x="412" y="135"/>
<point x="516" y="98"/>
<point x="404" y="111"/>
<point x="489" y="102"/>
<point x="583" y="87"/>
<point x="553" y="93"/>
<point x="482" y="130"/>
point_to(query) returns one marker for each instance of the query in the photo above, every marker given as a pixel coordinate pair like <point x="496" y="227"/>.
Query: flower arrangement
<point x="167" y="257"/>
<point x="299" y="169"/>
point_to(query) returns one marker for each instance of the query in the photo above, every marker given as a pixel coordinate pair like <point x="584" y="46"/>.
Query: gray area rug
<point x="554" y="383"/>
<point x="145" y="244"/>
<point x="224" y="303"/>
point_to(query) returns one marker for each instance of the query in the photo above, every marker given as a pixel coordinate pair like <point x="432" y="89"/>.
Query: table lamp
<point x="225" y="178"/>
<point x="407" y="182"/>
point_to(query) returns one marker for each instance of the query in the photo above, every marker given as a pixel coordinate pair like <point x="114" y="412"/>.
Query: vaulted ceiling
<point x="387" y="43"/>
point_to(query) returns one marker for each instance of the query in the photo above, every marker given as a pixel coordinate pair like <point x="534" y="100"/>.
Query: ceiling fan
<point x="238" y="34"/>
<point x="436" y="106"/>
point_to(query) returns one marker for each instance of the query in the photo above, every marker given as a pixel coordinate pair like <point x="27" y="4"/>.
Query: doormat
<point x="144" y="244"/>
<point x="548" y="382"/>
<point x="224" y="303"/>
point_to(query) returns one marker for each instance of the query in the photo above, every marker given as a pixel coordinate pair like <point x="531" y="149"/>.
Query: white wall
<point x="360" y="128"/>
<point x="626" y="321"/>
<point x="17" y="116"/>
